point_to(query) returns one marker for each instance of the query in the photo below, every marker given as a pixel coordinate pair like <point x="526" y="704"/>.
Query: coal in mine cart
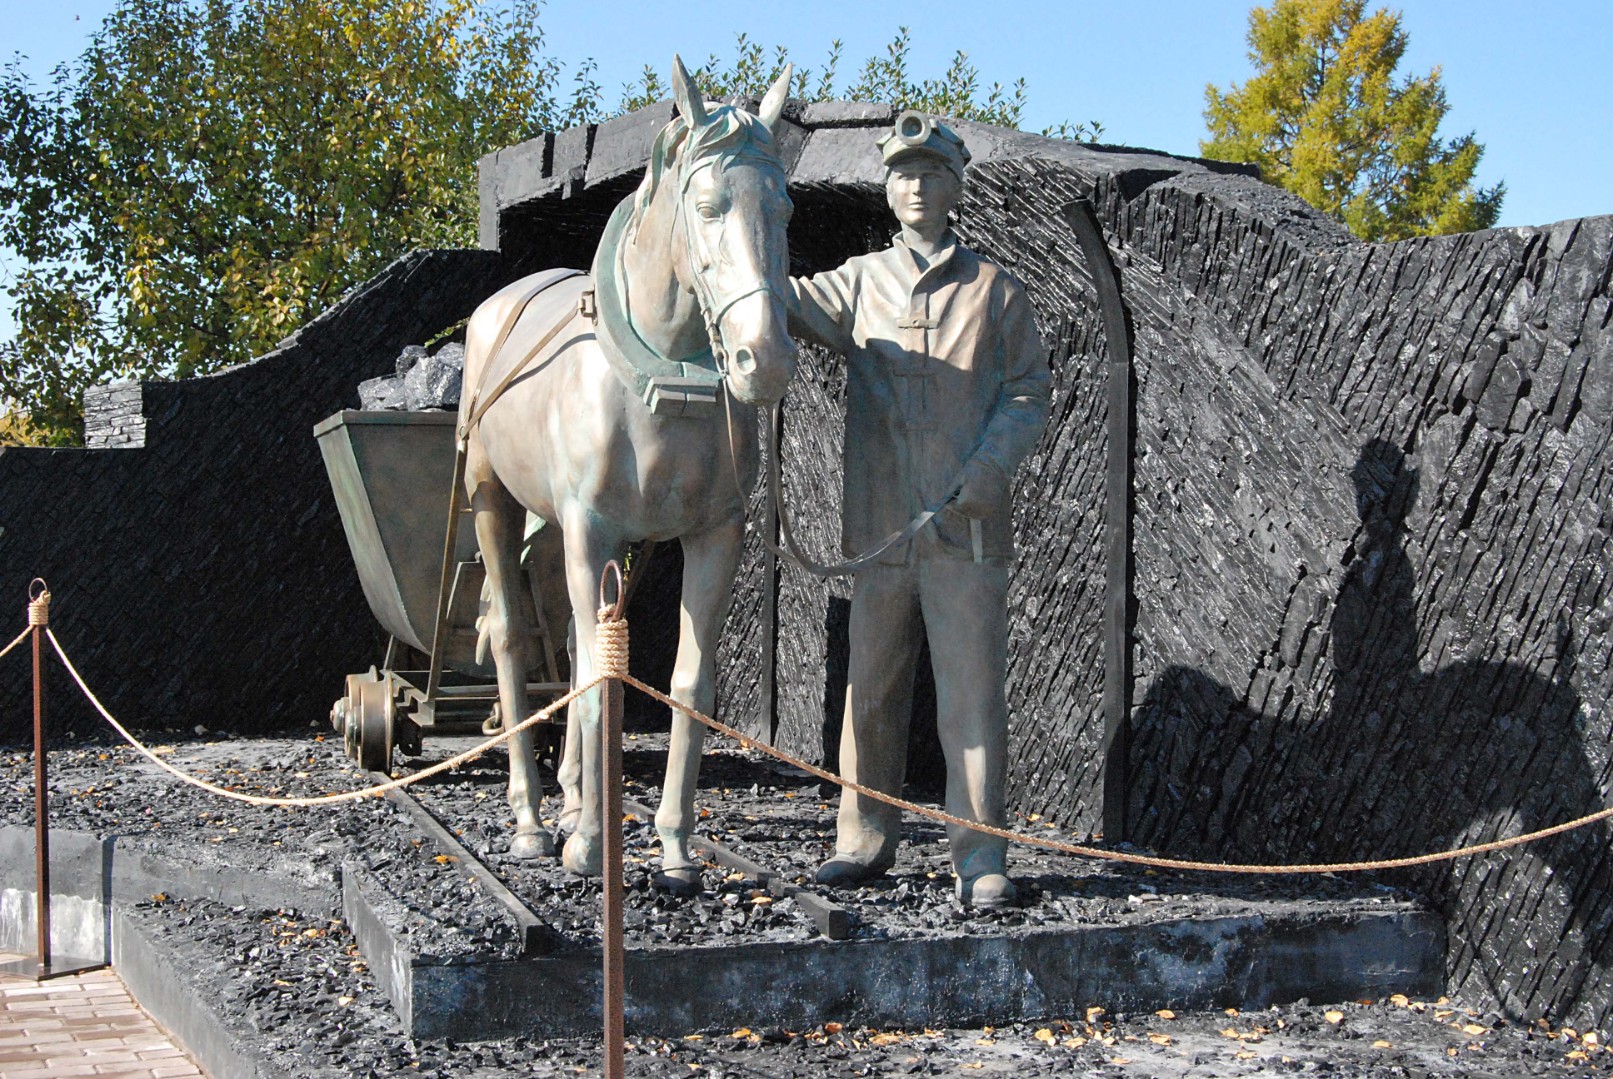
<point x="391" y="473"/>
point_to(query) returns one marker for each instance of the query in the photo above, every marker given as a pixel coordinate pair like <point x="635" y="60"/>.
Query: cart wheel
<point x="344" y="713"/>
<point x="374" y="719"/>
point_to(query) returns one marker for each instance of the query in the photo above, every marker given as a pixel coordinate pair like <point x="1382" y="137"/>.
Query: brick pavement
<point x="84" y="1025"/>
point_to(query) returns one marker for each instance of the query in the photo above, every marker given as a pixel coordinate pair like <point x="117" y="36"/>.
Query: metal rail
<point x="833" y="921"/>
<point x="537" y="936"/>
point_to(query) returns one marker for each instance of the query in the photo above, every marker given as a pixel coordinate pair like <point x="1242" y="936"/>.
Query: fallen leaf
<point x="973" y="1065"/>
<point x="985" y="1041"/>
<point x="1045" y="1035"/>
<point x="342" y="1002"/>
<point x="1232" y="1012"/>
<point x="1579" y="1054"/>
<point x="1076" y="1042"/>
<point x="1400" y="1000"/>
<point x="1443" y="1014"/>
<point x="1474" y="1028"/>
<point x="885" y="1038"/>
<point x="1333" y="1016"/>
<point x="1245" y="1054"/>
<point x="1119" y="1060"/>
<point x="1229" y="1032"/>
<point x="1093" y="1013"/>
<point x="1381" y="1044"/>
<point x="444" y="859"/>
<point x="1160" y="1039"/>
<point x="742" y="1032"/>
<point x="832" y="1028"/>
<point x="1165" y="1013"/>
<point x="1591" y="1038"/>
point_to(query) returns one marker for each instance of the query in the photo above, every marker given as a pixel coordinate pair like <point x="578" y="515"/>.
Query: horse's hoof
<point x="683" y="881"/>
<point x="582" y="858"/>
<point x="987" y="891"/>
<point x="532" y="845"/>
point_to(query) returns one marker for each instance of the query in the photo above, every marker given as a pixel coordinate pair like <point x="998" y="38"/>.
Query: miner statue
<point x="947" y="391"/>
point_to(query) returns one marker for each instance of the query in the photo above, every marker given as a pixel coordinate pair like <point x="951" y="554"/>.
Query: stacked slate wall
<point x="1372" y="512"/>
<point x="199" y="571"/>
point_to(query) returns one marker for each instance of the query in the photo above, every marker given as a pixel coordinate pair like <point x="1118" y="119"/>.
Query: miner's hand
<point x="983" y="490"/>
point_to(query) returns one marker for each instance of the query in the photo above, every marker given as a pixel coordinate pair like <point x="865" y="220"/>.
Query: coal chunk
<point x="433" y="381"/>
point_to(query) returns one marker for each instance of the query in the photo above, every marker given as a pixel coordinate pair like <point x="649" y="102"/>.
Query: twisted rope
<point x="322" y="799"/>
<point x="23" y="636"/>
<point x="1082" y="851"/>
<point x="38" y="605"/>
<point x="612" y="651"/>
<point x="610" y="646"/>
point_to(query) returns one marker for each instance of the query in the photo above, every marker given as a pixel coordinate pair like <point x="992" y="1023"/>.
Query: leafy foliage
<point x="957" y="93"/>
<point x="210" y="174"/>
<point x="1325" y="118"/>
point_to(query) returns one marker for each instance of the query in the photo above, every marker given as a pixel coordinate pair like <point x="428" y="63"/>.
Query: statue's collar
<point x="944" y="251"/>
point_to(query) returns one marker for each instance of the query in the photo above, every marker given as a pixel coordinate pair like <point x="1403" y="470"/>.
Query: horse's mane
<point x="729" y="133"/>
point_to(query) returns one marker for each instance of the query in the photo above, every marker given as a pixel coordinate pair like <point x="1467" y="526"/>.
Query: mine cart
<point x="391" y="473"/>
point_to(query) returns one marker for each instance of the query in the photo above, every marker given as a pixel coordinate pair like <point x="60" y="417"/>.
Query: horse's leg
<point x="589" y="545"/>
<point x="710" y="561"/>
<point x="499" y="521"/>
<point x="570" y="770"/>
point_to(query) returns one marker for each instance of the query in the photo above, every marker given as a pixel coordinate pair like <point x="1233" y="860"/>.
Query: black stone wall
<point x="201" y="577"/>
<point x="1372" y="513"/>
<point x="1372" y="517"/>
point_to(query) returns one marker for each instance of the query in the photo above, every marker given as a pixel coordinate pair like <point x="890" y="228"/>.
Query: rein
<point x="770" y="416"/>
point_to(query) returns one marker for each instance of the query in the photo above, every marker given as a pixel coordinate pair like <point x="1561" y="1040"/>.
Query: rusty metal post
<point x="38" y="613"/>
<point x="610" y="734"/>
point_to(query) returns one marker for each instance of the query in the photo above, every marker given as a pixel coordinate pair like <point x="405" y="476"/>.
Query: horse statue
<point x="596" y="407"/>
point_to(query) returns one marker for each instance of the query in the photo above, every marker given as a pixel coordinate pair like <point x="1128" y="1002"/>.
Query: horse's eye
<point x="708" y="212"/>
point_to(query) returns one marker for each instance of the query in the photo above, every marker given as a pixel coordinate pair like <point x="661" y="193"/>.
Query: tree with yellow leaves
<point x="1325" y="117"/>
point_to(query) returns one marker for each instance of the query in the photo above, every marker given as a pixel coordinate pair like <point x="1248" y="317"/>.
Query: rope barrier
<point x="611" y="656"/>
<point x="23" y="636"/>
<point x="323" y="799"/>
<point x="38" y="604"/>
<point x="1083" y="851"/>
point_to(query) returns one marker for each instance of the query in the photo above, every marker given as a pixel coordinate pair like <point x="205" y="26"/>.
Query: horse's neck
<point x="664" y="312"/>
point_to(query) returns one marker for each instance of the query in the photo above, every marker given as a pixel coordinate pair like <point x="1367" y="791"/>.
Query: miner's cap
<point x="916" y="135"/>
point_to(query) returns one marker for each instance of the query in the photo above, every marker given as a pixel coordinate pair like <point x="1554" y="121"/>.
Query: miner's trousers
<point x="961" y="607"/>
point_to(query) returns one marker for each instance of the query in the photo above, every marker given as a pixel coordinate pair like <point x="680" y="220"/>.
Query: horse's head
<point x="731" y="218"/>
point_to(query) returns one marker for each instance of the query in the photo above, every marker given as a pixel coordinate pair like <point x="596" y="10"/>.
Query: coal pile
<point x="422" y="380"/>
<point x="781" y="820"/>
<point x="298" y="993"/>
<point x="301" y="997"/>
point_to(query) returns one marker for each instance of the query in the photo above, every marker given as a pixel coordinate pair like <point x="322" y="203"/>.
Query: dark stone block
<point x="622" y="145"/>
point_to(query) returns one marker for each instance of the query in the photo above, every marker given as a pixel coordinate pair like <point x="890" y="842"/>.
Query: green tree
<point x="957" y="93"/>
<point x="1325" y="117"/>
<point x="210" y="174"/>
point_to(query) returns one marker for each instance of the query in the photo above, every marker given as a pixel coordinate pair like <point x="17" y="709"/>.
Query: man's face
<point x="921" y="192"/>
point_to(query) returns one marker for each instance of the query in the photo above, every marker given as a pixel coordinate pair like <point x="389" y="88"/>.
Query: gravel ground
<point x="306" y="1001"/>
<point x="304" y="992"/>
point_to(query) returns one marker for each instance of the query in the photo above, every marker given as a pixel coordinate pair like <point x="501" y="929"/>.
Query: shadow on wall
<point x="1404" y="762"/>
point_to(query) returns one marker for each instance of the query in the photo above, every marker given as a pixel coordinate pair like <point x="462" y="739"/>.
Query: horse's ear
<point x="773" y="103"/>
<point x="684" y="91"/>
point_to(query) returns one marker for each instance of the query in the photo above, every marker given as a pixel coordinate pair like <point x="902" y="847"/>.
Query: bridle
<point x="712" y="305"/>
